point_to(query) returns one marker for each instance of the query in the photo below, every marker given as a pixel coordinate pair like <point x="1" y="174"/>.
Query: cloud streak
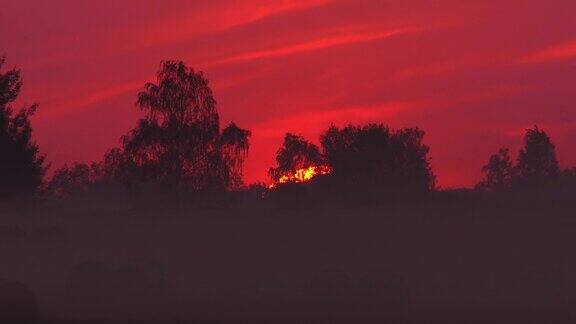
<point x="318" y="120"/>
<point x="309" y="46"/>
<point x="220" y="20"/>
<point x="555" y="53"/>
<point x="315" y="45"/>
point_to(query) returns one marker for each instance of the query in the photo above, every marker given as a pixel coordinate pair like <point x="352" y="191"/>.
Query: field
<point x="455" y="258"/>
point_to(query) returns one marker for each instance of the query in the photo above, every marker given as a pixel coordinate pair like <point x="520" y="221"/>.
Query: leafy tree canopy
<point x="498" y="173"/>
<point x="296" y="153"/>
<point x="537" y="161"/>
<point x="21" y="164"/>
<point x="378" y="159"/>
<point x="178" y="143"/>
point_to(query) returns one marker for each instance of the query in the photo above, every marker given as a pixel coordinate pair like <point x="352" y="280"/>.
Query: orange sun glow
<point x="302" y="175"/>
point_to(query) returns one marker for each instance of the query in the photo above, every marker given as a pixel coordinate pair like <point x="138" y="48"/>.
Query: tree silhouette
<point x="234" y="145"/>
<point x="113" y="167"/>
<point x="537" y="161"/>
<point x="71" y="180"/>
<point x="373" y="158"/>
<point x="498" y="173"/>
<point x="296" y="153"/>
<point x="178" y="143"/>
<point x="105" y="179"/>
<point x="21" y="165"/>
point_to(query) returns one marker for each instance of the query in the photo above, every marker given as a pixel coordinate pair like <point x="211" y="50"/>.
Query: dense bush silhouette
<point x="113" y="167"/>
<point x="21" y="164"/>
<point x="98" y="181"/>
<point x="18" y="304"/>
<point x="71" y="180"/>
<point x="375" y="161"/>
<point x="252" y="194"/>
<point x="292" y="196"/>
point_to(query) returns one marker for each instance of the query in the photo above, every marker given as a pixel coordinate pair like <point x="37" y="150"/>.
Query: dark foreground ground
<point x="453" y="259"/>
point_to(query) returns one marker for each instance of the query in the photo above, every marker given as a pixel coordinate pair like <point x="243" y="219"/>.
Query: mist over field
<point x="457" y="258"/>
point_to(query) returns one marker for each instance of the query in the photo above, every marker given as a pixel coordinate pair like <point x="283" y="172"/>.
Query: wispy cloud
<point x="314" y="122"/>
<point x="220" y="20"/>
<point x="273" y="9"/>
<point x="94" y="98"/>
<point x="555" y="53"/>
<point x="454" y="65"/>
<point x="180" y="27"/>
<point x="309" y="46"/>
<point x="315" y="45"/>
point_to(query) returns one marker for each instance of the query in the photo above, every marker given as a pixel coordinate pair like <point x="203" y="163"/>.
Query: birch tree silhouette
<point x="178" y="143"/>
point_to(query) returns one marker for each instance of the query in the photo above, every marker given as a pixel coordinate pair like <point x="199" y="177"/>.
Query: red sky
<point x="472" y="74"/>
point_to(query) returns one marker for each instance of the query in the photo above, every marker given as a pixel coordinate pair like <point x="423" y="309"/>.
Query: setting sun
<point x="303" y="175"/>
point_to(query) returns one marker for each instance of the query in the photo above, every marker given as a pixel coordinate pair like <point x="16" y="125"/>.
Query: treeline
<point x="361" y="164"/>
<point x="535" y="166"/>
<point x="179" y="152"/>
<point x="177" y="149"/>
